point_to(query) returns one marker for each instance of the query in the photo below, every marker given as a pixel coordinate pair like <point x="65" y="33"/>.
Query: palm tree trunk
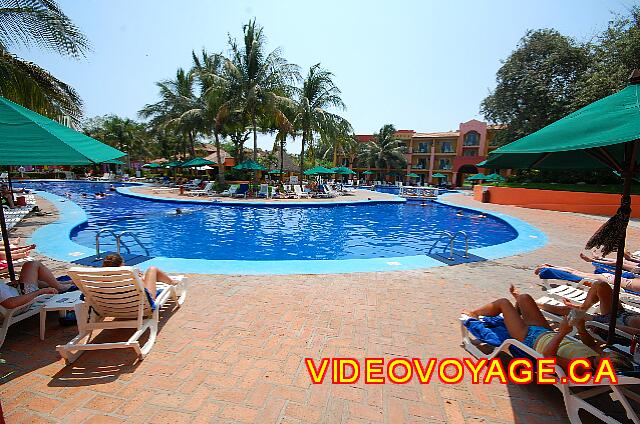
<point x="255" y="138"/>
<point x="219" y="159"/>
<point x="192" y="146"/>
<point x="335" y="154"/>
<point x="304" y="140"/>
<point x="282" y="157"/>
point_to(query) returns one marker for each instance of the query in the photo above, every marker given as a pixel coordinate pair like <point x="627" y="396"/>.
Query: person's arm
<point x="17" y="301"/>
<point x="551" y="349"/>
<point x="586" y="337"/>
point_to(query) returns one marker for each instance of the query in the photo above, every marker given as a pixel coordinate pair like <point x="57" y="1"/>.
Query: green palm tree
<point x="318" y="94"/>
<point x="173" y="111"/>
<point x="40" y="23"/>
<point x="384" y="151"/>
<point x="259" y="84"/>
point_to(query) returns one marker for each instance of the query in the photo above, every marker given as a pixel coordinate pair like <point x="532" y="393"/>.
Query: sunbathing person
<point x="33" y="276"/>
<point x="627" y="264"/>
<point x="631" y="284"/>
<point x="17" y="252"/>
<point x="599" y="292"/>
<point x="525" y="323"/>
<point x="6" y="196"/>
<point x="150" y="277"/>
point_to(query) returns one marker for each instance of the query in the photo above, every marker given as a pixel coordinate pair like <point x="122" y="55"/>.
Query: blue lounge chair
<point x="242" y="191"/>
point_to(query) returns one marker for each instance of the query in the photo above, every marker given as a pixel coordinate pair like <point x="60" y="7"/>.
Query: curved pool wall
<point x="54" y="241"/>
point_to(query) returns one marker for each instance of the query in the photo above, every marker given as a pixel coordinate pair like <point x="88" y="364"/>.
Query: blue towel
<point x="606" y="269"/>
<point x="491" y="330"/>
<point x="556" y="274"/>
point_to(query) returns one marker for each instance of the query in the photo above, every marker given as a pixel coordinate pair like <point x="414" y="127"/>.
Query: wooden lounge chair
<point x="118" y="294"/>
<point x="576" y="396"/>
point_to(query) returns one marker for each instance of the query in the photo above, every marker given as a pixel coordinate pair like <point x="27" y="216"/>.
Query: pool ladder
<point x="119" y="243"/>
<point x="451" y="239"/>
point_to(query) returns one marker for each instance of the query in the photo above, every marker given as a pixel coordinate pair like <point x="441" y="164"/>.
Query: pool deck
<point x="353" y="197"/>
<point x="234" y="352"/>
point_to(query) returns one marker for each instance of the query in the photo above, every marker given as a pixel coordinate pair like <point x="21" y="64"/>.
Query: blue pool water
<point x="266" y="233"/>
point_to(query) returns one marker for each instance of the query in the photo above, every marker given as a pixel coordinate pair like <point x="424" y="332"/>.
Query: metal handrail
<point x="115" y="236"/>
<point x="452" y="238"/>
<point x="135" y="238"/>
<point x="466" y="242"/>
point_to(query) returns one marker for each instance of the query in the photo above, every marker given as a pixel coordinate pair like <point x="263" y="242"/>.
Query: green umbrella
<point x="368" y="172"/>
<point x="413" y="175"/>
<point x="495" y="178"/>
<point x="318" y="170"/>
<point x="197" y="162"/>
<point x="343" y="170"/>
<point x="28" y="138"/>
<point x="477" y="177"/>
<point x="152" y="165"/>
<point x="114" y="162"/>
<point x="276" y="171"/>
<point x="173" y="164"/>
<point x="438" y="175"/>
<point x="604" y="134"/>
<point x="249" y="165"/>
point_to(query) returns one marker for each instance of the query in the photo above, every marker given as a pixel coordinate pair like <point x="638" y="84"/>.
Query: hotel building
<point x="451" y="153"/>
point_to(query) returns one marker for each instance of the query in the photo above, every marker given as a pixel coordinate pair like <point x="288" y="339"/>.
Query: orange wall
<point x="565" y="201"/>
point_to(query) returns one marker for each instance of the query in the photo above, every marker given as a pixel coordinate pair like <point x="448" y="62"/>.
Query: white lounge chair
<point x="298" y="192"/>
<point x="206" y="191"/>
<point x="118" y="294"/>
<point x="193" y="185"/>
<point x="575" y="396"/>
<point x="11" y="316"/>
<point x="106" y="177"/>
<point x="231" y="191"/>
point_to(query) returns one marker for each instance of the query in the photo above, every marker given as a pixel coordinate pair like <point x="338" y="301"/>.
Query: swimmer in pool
<point x="178" y="211"/>
<point x="459" y="213"/>
<point x="112" y="188"/>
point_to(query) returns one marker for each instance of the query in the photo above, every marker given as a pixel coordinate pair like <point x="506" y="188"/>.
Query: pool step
<point x="457" y="258"/>
<point x="130" y="259"/>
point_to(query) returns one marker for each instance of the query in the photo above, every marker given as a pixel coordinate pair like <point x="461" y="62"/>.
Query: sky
<point x="422" y="65"/>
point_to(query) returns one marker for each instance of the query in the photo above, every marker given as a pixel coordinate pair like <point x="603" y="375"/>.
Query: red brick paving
<point x="234" y="352"/>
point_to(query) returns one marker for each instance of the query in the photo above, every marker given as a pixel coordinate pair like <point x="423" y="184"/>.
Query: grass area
<point x="585" y="188"/>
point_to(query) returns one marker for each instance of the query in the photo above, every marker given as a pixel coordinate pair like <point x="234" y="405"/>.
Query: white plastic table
<point x="62" y="302"/>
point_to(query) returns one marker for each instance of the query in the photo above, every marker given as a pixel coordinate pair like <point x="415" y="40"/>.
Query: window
<point x="470" y="152"/>
<point x="424" y="147"/>
<point x="445" y="164"/>
<point x="422" y="164"/>
<point x="471" y="138"/>
<point x="446" y="147"/>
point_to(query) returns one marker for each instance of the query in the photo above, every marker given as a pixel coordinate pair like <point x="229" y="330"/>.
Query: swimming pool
<point x="219" y="232"/>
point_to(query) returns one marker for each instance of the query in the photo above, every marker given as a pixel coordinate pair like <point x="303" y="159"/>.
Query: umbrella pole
<point x="631" y="149"/>
<point x="7" y="247"/>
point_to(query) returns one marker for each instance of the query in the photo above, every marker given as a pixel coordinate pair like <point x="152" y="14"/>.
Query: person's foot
<point x="514" y="291"/>
<point x="570" y="304"/>
<point x="585" y="257"/>
<point x="472" y="314"/>
<point x="540" y="268"/>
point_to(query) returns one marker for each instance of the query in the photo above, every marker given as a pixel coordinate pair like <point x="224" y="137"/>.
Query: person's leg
<point x="36" y="272"/>
<point x="530" y="311"/>
<point x="516" y="326"/>
<point x="561" y="310"/>
<point x="161" y="276"/>
<point x="150" y="279"/>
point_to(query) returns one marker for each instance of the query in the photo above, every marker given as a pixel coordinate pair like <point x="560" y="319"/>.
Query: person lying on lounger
<point x="6" y="196"/>
<point x="524" y="322"/>
<point x="150" y="277"/>
<point x="599" y="292"/>
<point x="628" y="264"/>
<point x="35" y="279"/>
<point x="17" y="252"/>
<point x="632" y="284"/>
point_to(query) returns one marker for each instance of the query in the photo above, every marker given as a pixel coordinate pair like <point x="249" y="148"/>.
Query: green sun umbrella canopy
<point x="342" y="170"/>
<point x="173" y="164"/>
<point x="28" y="138"/>
<point x="413" y="175"/>
<point x="318" y="170"/>
<point x="249" y="165"/>
<point x="439" y="175"/>
<point x="197" y="162"/>
<point x="477" y="177"/>
<point x="152" y="165"/>
<point x="114" y="162"/>
<point x="495" y="177"/>
<point x="276" y="171"/>
<point x="368" y="172"/>
<point x="589" y="138"/>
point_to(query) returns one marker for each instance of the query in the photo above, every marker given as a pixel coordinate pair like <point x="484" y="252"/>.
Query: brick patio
<point x="234" y="352"/>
